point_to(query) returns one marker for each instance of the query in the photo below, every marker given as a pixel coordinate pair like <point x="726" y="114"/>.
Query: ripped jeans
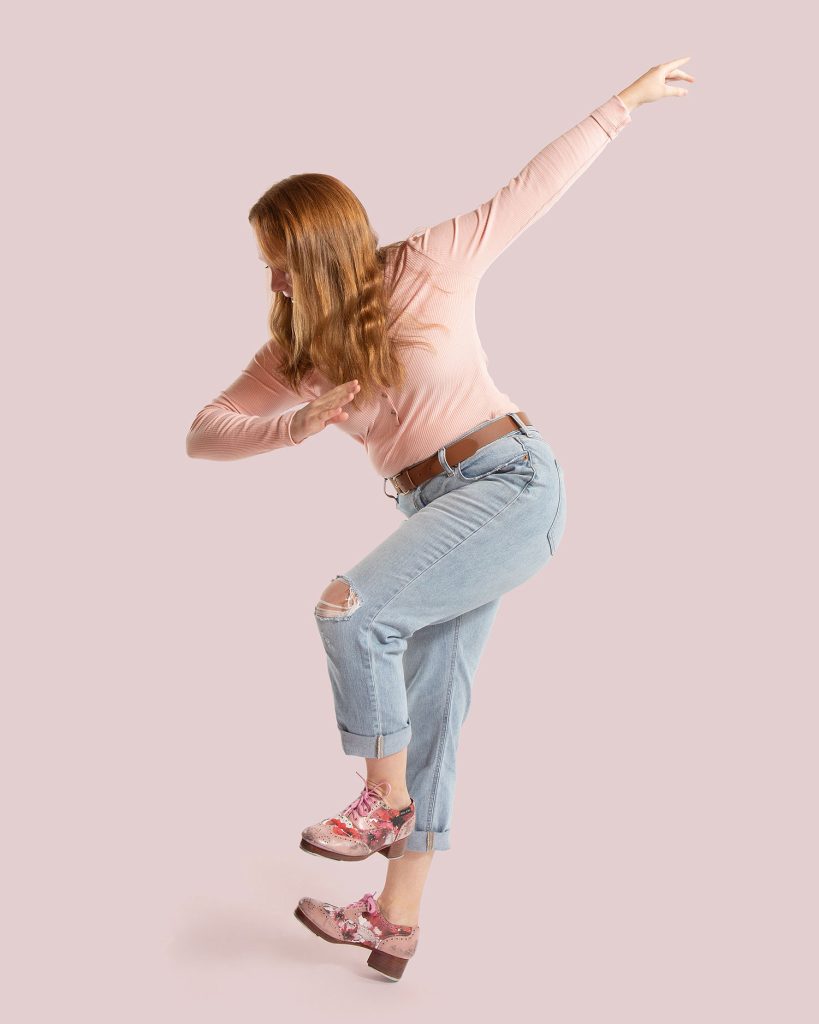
<point x="403" y="650"/>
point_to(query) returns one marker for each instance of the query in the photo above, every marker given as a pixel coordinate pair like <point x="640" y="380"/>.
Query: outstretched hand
<point x="327" y="408"/>
<point x="653" y="85"/>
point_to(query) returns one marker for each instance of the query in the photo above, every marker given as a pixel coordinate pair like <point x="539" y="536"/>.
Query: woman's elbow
<point x="195" y="443"/>
<point x="192" y="447"/>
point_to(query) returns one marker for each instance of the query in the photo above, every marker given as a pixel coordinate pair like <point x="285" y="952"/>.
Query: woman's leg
<point x="468" y="546"/>
<point x="392" y="769"/>
<point x="438" y="703"/>
<point x="438" y="707"/>
<point x="440" y="663"/>
<point x="400" y="899"/>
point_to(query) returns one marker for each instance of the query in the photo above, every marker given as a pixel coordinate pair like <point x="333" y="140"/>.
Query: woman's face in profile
<point x="280" y="280"/>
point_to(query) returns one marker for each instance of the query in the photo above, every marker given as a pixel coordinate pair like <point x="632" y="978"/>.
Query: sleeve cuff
<point x="288" y="422"/>
<point x="612" y="116"/>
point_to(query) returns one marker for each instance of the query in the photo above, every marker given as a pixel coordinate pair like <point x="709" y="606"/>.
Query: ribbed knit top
<point x="448" y="389"/>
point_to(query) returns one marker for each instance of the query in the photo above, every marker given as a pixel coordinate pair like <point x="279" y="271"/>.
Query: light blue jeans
<point x="403" y="656"/>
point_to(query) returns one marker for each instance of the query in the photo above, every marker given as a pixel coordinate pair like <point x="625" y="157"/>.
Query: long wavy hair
<point x="340" y="320"/>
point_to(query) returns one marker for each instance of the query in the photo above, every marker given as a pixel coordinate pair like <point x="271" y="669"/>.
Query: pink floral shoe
<point x="366" y="826"/>
<point x="362" y="924"/>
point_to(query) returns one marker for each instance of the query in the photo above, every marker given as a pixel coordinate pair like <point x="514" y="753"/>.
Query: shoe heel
<point x="396" y="849"/>
<point x="386" y="963"/>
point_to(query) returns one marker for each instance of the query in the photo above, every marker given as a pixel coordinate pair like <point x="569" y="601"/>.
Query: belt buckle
<point x="396" y="483"/>
<point x="412" y="485"/>
<point x="405" y="472"/>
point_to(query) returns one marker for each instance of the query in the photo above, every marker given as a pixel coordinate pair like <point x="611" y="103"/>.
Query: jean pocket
<point x="504" y="454"/>
<point x="556" y="530"/>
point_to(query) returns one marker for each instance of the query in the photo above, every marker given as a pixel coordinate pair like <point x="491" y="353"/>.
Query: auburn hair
<point x="340" y="320"/>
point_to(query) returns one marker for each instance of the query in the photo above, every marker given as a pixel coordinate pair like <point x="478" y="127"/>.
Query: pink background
<point x="634" y="835"/>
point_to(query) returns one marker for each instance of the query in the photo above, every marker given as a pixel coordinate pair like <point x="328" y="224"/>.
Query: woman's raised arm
<point x="471" y="241"/>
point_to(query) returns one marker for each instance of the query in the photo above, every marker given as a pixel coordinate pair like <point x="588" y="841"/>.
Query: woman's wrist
<point x="628" y="98"/>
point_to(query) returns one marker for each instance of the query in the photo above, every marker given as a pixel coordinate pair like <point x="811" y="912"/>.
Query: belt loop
<point x="445" y="466"/>
<point x="520" y="423"/>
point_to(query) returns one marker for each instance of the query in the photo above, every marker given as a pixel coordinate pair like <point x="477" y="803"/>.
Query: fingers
<point x="346" y="392"/>
<point x="671" y="91"/>
<point x="340" y="395"/>
<point x="330" y="407"/>
<point x="675" y="63"/>
<point x="671" y="72"/>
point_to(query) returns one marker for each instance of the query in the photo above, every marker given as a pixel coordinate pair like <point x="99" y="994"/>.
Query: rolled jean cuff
<point x="422" y="840"/>
<point x="375" y="746"/>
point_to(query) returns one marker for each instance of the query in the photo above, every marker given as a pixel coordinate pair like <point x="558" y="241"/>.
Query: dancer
<point x="380" y="341"/>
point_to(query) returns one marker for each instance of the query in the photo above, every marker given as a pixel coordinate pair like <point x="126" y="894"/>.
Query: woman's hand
<point x="652" y="85"/>
<point x="328" y="408"/>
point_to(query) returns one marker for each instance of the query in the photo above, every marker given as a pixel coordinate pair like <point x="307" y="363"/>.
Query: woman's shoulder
<point x="408" y="257"/>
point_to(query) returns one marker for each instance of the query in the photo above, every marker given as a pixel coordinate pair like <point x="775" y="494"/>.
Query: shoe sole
<point x="392" y="851"/>
<point x="390" y="966"/>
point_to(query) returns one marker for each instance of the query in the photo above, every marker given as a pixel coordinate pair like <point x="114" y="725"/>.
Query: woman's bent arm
<point x="242" y="420"/>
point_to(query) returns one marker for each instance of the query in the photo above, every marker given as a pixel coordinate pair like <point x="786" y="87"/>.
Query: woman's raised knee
<point x="338" y="600"/>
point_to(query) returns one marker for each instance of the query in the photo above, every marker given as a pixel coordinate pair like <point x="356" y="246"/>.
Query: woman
<point x="382" y="343"/>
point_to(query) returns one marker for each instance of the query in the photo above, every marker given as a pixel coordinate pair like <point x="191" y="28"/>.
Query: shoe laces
<point x="367" y="799"/>
<point x="368" y="902"/>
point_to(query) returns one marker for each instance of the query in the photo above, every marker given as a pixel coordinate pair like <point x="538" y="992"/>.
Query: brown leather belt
<point x="413" y="476"/>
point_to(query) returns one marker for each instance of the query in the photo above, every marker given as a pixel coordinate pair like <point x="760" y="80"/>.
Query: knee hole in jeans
<point x="338" y="600"/>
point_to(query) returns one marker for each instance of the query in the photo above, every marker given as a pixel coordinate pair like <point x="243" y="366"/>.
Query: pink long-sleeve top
<point x="448" y="389"/>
